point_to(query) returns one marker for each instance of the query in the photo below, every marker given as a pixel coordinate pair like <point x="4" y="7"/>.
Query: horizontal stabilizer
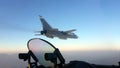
<point x="37" y="31"/>
<point x="37" y="34"/>
<point x="70" y="31"/>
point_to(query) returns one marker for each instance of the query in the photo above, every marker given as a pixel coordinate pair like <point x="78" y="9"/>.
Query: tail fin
<point x="46" y="26"/>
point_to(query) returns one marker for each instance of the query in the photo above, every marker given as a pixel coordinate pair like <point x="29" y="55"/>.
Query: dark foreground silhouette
<point x="82" y="64"/>
<point x="43" y="54"/>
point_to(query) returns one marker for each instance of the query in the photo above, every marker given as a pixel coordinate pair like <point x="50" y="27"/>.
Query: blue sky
<point x="97" y="23"/>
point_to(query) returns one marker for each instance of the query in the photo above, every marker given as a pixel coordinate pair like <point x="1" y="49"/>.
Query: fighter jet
<point x="50" y="32"/>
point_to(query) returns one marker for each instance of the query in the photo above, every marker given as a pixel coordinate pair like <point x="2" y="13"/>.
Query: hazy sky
<point x="97" y="23"/>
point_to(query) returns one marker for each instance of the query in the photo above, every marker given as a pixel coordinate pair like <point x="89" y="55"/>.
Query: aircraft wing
<point x="46" y="26"/>
<point x="70" y="31"/>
